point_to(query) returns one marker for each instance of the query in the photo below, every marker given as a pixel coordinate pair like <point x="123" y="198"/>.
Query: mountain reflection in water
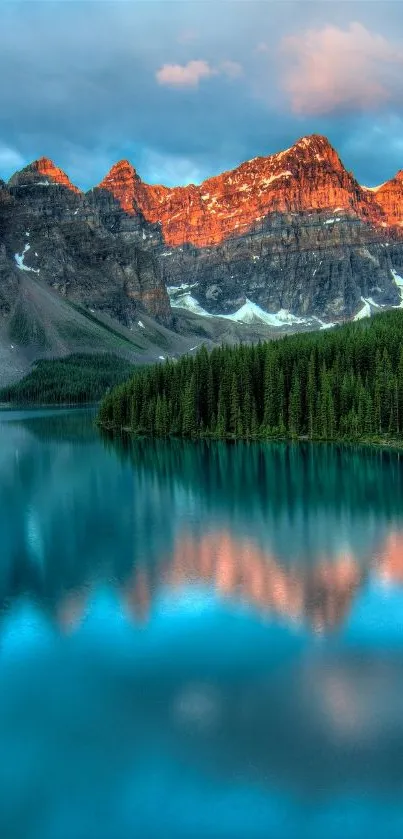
<point x="319" y="596"/>
<point x="198" y="639"/>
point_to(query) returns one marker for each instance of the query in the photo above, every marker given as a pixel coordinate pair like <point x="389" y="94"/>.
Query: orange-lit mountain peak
<point x="308" y="176"/>
<point x="121" y="168"/>
<point x="121" y="181"/>
<point x="42" y="172"/>
<point x="315" y="142"/>
<point x="390" y="197"/>
<point x="48" y="170"/>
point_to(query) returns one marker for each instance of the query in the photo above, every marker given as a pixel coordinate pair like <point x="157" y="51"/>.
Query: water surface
<point x="197" y="640"/>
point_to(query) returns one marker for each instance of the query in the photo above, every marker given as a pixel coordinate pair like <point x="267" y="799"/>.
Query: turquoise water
<point x="197" y="640"/>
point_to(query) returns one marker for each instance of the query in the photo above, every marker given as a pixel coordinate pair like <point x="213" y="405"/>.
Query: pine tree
<point x="294" y="408"/>
<point x="221" y="415"/>
<point x="234" y="406"/>
<point x="311" y="395"/>
<point x="270" y="402"/>
<point x="189" y="419"/>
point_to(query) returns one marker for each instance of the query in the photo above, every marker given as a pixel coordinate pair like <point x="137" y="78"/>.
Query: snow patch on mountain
<point x="399" y="282"/>
<point x="268" y="181"/>
<point x="248" y="313"/>
<point x="19" y="258"/>
<point x="181" y="298"/>
<point x="364" y="312"/>
<point x="370" y="303"/>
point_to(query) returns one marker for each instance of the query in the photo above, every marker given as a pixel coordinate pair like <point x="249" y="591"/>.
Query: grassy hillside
<point x="76" y="379"/>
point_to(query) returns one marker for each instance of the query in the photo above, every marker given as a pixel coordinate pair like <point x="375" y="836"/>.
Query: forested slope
<point x="345" y="383"/>
<point x="75" y="379"/>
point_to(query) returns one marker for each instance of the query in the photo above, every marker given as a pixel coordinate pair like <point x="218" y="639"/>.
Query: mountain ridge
<point x="312" y="159"/>
<point x="307" y="176"/>
<point x="280" y="243"/>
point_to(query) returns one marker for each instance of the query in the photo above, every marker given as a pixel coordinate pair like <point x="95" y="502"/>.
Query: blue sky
<point x="186" y="89"/>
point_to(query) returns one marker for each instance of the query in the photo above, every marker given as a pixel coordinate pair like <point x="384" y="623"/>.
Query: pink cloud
<point x="333" y="69"/>
<point x="190" y="74"/>
<point x="184" y="75"/>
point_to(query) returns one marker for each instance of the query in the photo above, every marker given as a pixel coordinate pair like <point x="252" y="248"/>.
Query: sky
<point x="185" y="89"/>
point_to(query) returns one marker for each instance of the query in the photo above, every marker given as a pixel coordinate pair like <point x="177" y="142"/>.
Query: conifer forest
<point x="344" y="383"/>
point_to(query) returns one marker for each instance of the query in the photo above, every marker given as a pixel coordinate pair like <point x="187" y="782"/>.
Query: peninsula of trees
<point x="345" y="383"/>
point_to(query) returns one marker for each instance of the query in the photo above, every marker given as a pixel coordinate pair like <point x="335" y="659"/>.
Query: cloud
<point x="107" y="104"/>
<point x="184" y="75"/>
<point x="190" y="74"/>
<point x="334" y="69"/>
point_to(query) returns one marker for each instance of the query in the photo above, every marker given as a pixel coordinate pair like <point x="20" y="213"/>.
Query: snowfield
<point x="248" y="313"/>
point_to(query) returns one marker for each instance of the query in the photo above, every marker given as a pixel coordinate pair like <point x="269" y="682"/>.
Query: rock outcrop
<point x="389" y="196"/>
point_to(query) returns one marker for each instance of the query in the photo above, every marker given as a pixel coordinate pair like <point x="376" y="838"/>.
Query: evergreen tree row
<point x="345" y="383"/>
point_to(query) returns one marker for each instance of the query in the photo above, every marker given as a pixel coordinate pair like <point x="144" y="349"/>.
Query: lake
<point x="197" y="640"/>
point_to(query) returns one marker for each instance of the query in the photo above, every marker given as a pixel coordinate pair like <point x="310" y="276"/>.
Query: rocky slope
<point x="67" y="284"/>
<point x="47" y="227"/>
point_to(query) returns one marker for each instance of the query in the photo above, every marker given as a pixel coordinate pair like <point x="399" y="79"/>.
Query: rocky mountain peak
<point x="389" y="196"/>
<point x="122" y="182"/>
<point x="308" y="176"/>
<point x="123" y="168"/>
<point x="315" y="143"/>
<point x="42" y="172"/>
<point x="314" y="150"/>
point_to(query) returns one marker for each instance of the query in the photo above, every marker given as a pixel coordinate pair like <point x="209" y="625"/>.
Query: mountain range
<point x="281" y="243"/>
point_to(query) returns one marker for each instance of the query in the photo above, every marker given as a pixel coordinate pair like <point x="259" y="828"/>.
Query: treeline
<point x="75" y="379"/>
<point x="345" y="383"/>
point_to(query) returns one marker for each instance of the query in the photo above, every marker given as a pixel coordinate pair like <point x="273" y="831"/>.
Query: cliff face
<point x="50" y="229"/>
<point x="389" y="196"/>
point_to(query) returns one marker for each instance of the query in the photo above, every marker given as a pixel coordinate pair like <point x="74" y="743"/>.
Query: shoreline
<point x="372" y="442"/>
<point x="26" y="406"/>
